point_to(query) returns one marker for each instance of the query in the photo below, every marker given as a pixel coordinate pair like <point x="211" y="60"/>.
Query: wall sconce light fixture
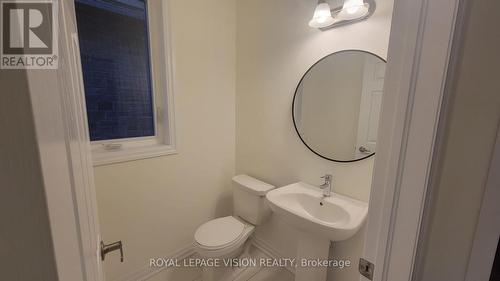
<point x="352" y="11"/>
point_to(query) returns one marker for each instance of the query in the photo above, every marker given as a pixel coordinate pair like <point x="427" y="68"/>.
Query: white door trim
<point x="418" y="58"/>
<point x="78" y="145"/>
<point x="488" y="228"/>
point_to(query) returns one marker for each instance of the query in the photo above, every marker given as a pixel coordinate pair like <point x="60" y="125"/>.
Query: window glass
<point x="114" y="47"/>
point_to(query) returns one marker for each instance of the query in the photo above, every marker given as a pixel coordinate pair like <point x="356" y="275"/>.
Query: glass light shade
<point x="322" y="16"/>
<point x="353" y="9"/>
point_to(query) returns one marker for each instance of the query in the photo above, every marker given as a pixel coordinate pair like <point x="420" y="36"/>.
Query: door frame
<point x="419" y="51"/>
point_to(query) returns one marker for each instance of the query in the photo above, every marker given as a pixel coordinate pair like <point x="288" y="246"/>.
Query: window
<point x="114" y="51"/>
<point x="123" y="106"/>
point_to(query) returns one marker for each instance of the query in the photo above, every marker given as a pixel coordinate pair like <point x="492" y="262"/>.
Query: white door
<point x="77" y="133"/>
<point x="369" y="110"/>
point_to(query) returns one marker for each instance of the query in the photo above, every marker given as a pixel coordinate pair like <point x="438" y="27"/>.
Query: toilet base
<point x="222" y="272"/>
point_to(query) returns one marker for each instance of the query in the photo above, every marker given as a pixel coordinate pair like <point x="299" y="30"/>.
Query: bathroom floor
<point x="259" y="273"/>
<point x="239" y="274"/>
<point x="272" y="274"/>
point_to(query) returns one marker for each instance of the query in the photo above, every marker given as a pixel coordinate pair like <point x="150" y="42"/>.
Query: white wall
<point x="155" y="205"/>
<point x="275" y="47"/>
<point x="466" y="154"/>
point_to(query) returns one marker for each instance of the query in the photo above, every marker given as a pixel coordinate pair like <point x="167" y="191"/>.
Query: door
<point x="369" y="110"/>
<point x="78" y="145"/>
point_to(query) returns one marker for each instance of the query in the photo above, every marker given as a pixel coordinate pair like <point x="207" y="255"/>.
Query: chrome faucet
<point x="327" y="186"/>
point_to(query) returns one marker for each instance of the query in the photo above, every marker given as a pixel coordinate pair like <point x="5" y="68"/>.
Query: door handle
<point x="110" y="248"/>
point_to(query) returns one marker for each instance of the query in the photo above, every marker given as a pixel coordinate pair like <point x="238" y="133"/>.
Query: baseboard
<point x="270" y="251"/>
<point x="147" y="272"/>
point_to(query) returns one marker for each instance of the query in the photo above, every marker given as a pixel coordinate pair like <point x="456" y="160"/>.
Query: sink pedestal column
<point x="311" y="248"/>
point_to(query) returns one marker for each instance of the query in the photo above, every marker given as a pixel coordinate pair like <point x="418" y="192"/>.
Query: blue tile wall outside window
<point x="114" y="46"/>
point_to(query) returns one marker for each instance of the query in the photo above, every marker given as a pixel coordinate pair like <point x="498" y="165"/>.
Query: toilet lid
<point x="219" y="232"/>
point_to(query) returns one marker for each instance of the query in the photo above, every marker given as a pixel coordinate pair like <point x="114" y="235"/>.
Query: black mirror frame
<point x="295" y="95"/>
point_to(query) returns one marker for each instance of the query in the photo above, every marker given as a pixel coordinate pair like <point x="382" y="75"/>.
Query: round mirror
<point x="336" y="106"/>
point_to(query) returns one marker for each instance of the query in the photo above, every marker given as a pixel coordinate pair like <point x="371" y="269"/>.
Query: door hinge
<point x="366" y="268"/>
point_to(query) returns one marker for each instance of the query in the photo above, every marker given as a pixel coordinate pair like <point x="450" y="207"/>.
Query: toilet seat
<point x="219" y="232"/>
<point x="222" y="236"/>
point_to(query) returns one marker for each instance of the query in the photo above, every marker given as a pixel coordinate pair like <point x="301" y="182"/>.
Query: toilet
<point x="224" y="238"/>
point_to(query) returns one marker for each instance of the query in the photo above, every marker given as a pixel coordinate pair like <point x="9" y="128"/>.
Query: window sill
<point x="106" y="157"/>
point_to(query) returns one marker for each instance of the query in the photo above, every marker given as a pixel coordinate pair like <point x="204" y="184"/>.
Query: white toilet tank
<point x="249" y="199"/>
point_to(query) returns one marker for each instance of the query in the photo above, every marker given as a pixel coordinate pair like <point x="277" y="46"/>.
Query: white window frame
<point x="105" y="152"/>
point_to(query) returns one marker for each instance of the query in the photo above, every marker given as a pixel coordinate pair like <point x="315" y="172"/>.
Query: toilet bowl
<point x="222" y="237"/>
<point x="226" y="237"/>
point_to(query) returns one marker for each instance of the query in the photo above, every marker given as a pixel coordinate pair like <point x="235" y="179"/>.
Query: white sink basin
<point x="303" y="206"/>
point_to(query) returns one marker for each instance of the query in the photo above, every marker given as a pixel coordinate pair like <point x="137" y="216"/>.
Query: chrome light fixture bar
<point x="351" y="11"/>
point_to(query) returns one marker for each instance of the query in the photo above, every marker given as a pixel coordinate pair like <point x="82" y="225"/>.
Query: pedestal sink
<point x="319" y="219"/>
